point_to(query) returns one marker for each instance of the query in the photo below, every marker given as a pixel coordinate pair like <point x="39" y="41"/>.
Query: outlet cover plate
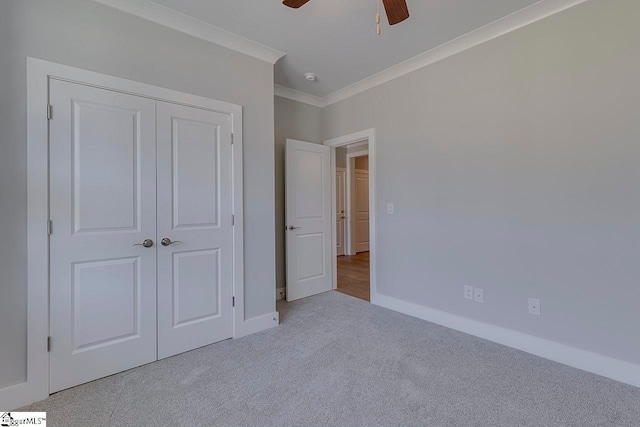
<point x="468" y="292"/>
<point x="534" y="306"/>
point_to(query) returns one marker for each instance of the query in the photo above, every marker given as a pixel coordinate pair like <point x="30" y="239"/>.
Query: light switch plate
<point x="478" y="295"/>
<point x="390" y="208"/>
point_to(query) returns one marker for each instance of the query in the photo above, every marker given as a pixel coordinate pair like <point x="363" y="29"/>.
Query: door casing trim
<point x="39" y="74"/>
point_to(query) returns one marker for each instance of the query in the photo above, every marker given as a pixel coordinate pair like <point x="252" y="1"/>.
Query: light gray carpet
<point x="338" y="361"/>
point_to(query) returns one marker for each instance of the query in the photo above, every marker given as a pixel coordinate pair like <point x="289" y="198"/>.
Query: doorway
<point x="352" y="219"/>
<point x="353" y="171"/>
<point x="313" y="220"/>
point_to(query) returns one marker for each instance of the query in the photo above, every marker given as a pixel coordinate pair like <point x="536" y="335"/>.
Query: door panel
<point x="195" y="210"/>
<point x="361" y="199"/>
<point x="310" y="250"/>
<point x="102" y="189"/>
<point x="196" y="286"/>
<point x="105" y="135"/>
<point x="195" y="148"/>
<point x="106" y="296"/>
<point x="340" y="211"/>
<point x="308" y="209"/>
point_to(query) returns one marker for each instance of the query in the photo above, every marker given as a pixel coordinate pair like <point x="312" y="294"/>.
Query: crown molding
<point x="159" y="14"/>
<point x="536" y="12"/>
<point x="296" y="95"/>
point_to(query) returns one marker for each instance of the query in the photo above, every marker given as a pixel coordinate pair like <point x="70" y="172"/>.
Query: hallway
<point x="353" y="275"/>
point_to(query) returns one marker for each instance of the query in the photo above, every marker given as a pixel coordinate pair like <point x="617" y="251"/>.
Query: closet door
<point x="103" y="207"/>
<point x="195" y="231"/>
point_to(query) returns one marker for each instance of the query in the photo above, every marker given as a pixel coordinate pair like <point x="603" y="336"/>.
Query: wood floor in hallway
<point x="353" y="275"/>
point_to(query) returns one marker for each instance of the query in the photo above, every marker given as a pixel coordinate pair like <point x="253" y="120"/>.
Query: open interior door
<point x="308" y="219"/>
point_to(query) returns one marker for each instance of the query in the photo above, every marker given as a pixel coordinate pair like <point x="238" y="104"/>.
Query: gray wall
<point x="293" y="120"/>
<point x="88" y="35"/>
<point x="514" y="167"/>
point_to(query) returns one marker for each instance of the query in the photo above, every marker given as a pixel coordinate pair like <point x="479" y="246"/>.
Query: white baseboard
<point x="280" y="293"/>
<point x="19" y="395"/>
<point x="257" y="324"/>
<point x="605" y="366"/>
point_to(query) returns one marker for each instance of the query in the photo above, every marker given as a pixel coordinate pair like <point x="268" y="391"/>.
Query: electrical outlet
<point x="390" y="208"/>
<point x="478" y="295"/>
<point x="468" y="292"/>
<point x="534" y="306"/>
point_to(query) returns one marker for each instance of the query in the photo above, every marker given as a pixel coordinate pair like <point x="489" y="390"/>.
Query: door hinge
<point x="49" y="111"/>
<point x="233" y="220"/>
<point x="232" y="139"/>
<point x="233" y="301"/>
<point x="49" y="227"/>
<point x="48" y="343"/>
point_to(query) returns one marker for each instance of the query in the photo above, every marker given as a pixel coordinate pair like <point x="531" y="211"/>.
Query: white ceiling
<point x="336" y="39"/>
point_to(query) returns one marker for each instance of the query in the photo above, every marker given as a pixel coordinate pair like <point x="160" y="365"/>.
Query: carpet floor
<point x="339" y="361"/>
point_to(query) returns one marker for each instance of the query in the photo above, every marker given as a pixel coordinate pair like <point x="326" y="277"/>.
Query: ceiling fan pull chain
<point x="378" y="19"/>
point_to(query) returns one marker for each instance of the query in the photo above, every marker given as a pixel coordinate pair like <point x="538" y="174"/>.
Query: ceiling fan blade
<point x="397" y="10"/>
<point x="294" y="3"/>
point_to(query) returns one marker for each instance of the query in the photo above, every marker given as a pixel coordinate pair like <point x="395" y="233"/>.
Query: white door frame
<point x="39" y="73"/>
<point x="350" y="247"/>
<point x="368" y="135"/>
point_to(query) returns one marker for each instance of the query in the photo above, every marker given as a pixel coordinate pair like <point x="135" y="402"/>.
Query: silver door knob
<point x="293" y="227"/>
<point x="147" y="243"/>
<point x="167" y="241"/>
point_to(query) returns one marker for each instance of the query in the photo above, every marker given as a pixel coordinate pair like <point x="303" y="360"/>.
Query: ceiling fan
<point x="397" y="10"/>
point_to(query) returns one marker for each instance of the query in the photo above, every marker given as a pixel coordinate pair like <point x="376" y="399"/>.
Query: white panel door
<point x="103" y="202"/>
<point x="340" y="207"/>
<point x="361" y="205"/>
<point x="195" y="208"/>
<point x="308" y="219"/>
